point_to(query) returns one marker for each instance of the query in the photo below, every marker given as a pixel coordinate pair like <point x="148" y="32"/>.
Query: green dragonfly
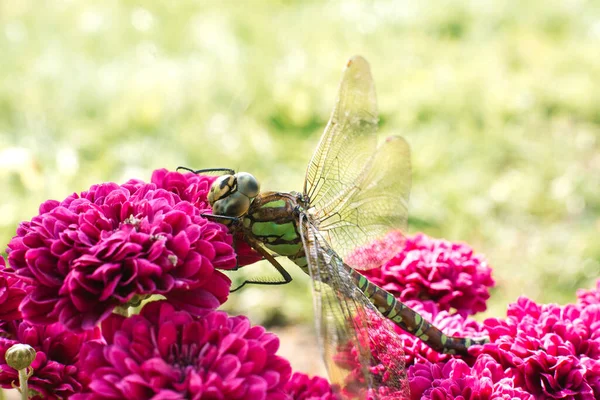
<point x="354" y="193"/>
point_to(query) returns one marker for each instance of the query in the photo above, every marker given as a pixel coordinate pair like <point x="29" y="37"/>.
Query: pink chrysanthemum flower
<point x="586" y="297"/>
<point x="115" y="244"/>
<point x="11" y="295"/>
<point x="548" y="350"/>
<point x="447" y="273"/>
<point x="456" y="380"/>
<point x="301" y="387"/>
<point x="54" y="368"/>
<point x="168" y="354"/>
<point x="187" y="186"/>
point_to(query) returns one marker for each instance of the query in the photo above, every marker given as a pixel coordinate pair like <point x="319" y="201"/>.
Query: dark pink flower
<point x="187" y="186"/>
<point x="12" y="293"/>
<point x="168" y="354"/>
<point x="537" y="352"/>
<point x="114" y="245"/>
<point x="54" y="368"/>
<point x="587" y="297"/>
<point x="548" y="350"/>
<point x="301" y="387"/>
<point x="592" y="374"/>
<point x="456" y="380"/>
<point x="447" y="273"/>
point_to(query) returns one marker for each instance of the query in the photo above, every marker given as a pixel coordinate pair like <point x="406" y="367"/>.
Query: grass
<point x="498" y="100"/>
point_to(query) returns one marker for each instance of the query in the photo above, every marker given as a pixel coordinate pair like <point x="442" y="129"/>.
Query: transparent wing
<point x="362" y="353"/>
<point x="357" y="191"/>
<point x="349" y="138"/>
<point x="375" y="203"/>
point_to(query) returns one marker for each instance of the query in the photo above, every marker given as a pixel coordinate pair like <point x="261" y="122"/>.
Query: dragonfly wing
<point x="361" y="351"/>
<point x="375" y="203"/>
<point x="349" y="138"/>
<point x="359" y="192"/>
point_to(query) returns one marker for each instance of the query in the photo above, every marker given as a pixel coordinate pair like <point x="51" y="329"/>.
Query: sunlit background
<point x="499" y="100"/>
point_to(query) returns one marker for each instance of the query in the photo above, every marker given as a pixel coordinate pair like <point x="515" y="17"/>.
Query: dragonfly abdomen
<point x="410" y="321"/>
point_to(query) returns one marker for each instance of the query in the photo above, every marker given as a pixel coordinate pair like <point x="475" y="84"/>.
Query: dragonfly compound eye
<point x="234" y="205"/>
<point x="247" y="184"/>
<point x="222" y="187"/>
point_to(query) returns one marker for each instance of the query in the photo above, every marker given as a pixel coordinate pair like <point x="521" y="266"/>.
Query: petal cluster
<point x="455" y="379"/>
<point x="12" y="293"/>
<point x="188" y="187"/>
<point x="114" y="245"/>
<point x="587" y="297"/>
<point x="55" y="365"/>
<point x="536" y="352"/>
<point x="303" y="387"/>
<point x="448" y="273"/>
<point x="549" y="350"/>
<point x="167" y="354"/>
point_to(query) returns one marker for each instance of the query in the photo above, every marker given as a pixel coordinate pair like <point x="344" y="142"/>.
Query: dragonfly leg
<point x="233" y="221"/>
<point x="227" y="171"/>
<point x="287" y="278"/>
<point x="221" y="218"/>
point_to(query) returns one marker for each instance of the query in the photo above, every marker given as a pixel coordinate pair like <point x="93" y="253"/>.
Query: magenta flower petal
<point x="549" y="350"/>
<point x="12" y="293"/>
<point x="188" y="187"/>
<point x="302" y="387"/>
<point x="84" y="256"/>
<point x="588" y="297"/>
<point x="447" y="273"/>
<point x="456" y="380"/>
<point x="55" y="366"/>
<point x="163" y="352"/>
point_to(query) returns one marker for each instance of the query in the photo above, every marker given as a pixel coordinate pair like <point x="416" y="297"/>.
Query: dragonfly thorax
<point x="231" y="195"/>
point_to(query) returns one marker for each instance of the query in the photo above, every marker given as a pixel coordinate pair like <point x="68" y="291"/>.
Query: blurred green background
<point x="499" y="100"/>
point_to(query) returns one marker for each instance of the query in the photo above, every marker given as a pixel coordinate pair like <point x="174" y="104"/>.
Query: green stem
<point x="23" y="384"/>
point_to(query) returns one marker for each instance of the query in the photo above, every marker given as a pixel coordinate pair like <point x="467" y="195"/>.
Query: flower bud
<point x="20" y="356"/>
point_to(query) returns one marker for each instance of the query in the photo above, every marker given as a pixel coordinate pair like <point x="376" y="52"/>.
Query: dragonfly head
<point x="231" y="195"/>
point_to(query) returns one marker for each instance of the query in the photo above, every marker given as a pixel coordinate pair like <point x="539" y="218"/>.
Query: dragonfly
<point x="355" y="192"/>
